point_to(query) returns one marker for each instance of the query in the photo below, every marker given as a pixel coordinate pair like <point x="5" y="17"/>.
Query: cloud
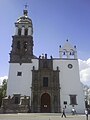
<point x="2" y="78"/>
<point x="84" y="68"/>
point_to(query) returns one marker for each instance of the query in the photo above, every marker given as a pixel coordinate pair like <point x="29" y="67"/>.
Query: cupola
<point x="23" y="25"/>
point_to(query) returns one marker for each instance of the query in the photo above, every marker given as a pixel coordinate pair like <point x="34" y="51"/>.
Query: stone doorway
<point x="45" y="103"/>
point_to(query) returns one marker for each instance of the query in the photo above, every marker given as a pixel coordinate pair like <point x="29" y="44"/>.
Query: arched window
<point x="64" y="54"/>
<point x="72" y="53"/>
<point x="25" y="45"/>
<point x="19" y="31"/>
<point x="26" y="32"/>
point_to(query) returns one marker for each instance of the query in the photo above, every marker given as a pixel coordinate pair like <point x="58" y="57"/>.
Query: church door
<point x="45" y="103"/>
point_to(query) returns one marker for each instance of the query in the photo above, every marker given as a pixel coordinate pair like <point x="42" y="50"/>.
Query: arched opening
<point x="19" y="31"/>
<point x="26" y="32"/>
<point x="64" y="53"/>
<point x="72" y="54"/>
<point x="45" y="103"/>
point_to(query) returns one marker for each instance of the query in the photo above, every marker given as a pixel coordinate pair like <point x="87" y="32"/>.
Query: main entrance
<point x="45" y="103"/>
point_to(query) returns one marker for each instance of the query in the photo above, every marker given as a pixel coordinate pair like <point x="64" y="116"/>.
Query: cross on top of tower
<point x="25" y="12"/>
<point x="26" y="6"/>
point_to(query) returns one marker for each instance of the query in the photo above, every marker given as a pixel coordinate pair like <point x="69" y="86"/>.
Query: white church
<point x="41" y="84"/>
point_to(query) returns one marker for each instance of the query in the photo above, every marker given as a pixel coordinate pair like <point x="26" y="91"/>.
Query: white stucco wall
<point x="69" y="81"/>
<point x="70" y="84"/>
<point x="20" y="84"/>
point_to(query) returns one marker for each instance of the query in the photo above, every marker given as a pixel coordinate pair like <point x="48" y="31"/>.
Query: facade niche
<point x="25" y="46"/>
<point x="45" y="81"/>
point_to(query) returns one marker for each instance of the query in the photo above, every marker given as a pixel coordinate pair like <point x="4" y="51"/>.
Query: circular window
<point x="70" y="66"/>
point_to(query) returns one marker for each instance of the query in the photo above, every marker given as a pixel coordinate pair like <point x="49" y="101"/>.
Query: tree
<point x="87" y="96"/>
<point x="3" y="89"/>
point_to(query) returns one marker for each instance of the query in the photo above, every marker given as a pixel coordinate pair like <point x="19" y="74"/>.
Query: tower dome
<point x="24" y="19"/>
<point x="24" y="25"/>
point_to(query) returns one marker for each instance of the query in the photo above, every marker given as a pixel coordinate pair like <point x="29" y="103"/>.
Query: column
<point x="75" y="54"/>
<point x="22" y="32"/>
<point x="30" y="32"/>
<point x="60" y="52"/>
<point x="16" y="30"/>
<point x="68" y="54"/>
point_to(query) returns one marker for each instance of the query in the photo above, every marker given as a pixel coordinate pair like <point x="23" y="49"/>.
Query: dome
<point x="24" y="25"/>
<point x="24" y="19"/>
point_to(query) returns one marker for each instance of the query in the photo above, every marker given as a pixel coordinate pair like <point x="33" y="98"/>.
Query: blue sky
<point x="53" y="22"/>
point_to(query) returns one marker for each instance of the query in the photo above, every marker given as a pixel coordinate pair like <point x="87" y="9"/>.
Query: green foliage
<point x="3" y="89"/>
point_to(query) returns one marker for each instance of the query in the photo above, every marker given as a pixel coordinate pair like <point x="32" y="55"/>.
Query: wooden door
<point x="45" y="103"/>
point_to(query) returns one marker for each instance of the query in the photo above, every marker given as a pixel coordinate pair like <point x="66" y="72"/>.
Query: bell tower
<point x="22" y="43"/>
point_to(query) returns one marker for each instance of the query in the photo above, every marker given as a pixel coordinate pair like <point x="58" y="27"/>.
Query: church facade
<point x="43" y="84"/>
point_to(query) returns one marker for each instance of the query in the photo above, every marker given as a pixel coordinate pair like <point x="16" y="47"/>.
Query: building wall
<point x="20" y="84"/>
<point x="68" y="78"/>
<point x="70" y="84"/>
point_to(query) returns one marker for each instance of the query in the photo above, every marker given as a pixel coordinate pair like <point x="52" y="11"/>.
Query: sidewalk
<point x="41" y="116"/>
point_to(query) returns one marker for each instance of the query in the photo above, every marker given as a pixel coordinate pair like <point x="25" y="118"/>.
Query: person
<point x="73" y="111"/>
<point x="86" y="112"/>
<point x="63" y="113"/>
